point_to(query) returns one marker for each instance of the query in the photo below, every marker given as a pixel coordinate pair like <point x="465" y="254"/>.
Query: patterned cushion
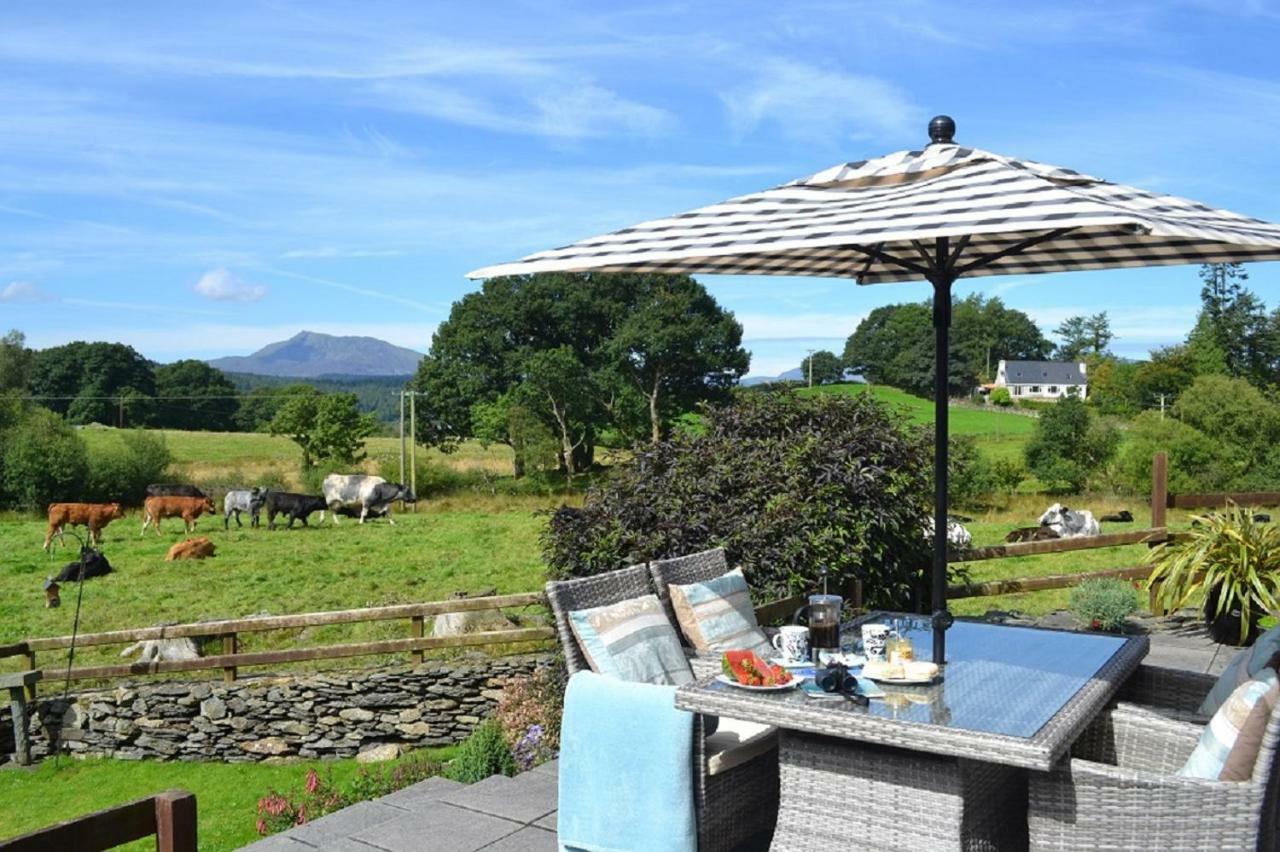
<point x="631" y="640"/>
<point x="717" y="615"/>
<point x="1243" y="666"/>
<point x="1229" y="746"/>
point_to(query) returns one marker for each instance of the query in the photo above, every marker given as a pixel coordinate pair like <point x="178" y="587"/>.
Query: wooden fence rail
<point x="232" y="658"/>
<point x="170" y="816"/>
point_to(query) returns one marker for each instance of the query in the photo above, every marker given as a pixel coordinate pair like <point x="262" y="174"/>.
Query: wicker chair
<point x="1120" y="790"/>
<point x="735" y="770"/>
<point x="694" y="568"/>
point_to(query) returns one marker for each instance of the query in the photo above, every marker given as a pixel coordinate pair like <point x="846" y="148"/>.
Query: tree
<point x="1069" y="444"/>
<point x="85" y="381"/>
<point x="214" y="407"/>
<point x="42" y="461"/>
<point x="1196" y="461"/>
<point x="15" y="372"/>
<point x="1084" y="337"/>
<point x="1235" y="319"/>
<point x="557" y="384"/>
<point x="325" y="426"/>
<point x="1234" y="413"/>
<point x="824" y="367"/>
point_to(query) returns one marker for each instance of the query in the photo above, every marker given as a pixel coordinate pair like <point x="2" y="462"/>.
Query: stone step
<point x="430" y="790"/>
<point x="524" y="798"/>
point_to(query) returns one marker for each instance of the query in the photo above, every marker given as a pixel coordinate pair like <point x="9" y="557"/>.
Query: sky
<point x="200" y="180"/>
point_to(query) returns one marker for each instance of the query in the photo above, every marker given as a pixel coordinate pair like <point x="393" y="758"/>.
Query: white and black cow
<point x="1070" y="523"/>
<point x="249" y="502"/>
<point x="369" y="496"/>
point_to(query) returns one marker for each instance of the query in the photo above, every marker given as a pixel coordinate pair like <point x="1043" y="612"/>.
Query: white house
<point x="1042" y="379"/>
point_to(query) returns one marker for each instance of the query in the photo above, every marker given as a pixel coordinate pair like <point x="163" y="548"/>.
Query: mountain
<point x="792" y="375"/>
<point x="309" y="354"/>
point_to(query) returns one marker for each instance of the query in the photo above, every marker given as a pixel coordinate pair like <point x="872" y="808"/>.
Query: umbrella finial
<point x="942" y="129"/>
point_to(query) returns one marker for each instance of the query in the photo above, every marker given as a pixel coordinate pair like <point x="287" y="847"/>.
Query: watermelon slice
<point x="749" y="670"/>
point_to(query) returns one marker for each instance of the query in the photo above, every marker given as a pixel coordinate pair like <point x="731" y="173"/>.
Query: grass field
<point x="226" y="793"/>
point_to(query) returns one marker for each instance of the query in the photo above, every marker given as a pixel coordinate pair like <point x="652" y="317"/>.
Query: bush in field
<point x="1001" y="397"/>
<point x="1007" y="474"/>
<point x="121" y="473"/>
<point x="1069" y="445"/>
<point x="1232" y="412"/>
<point x="482" y="754"/>
<point x="1104" y="604"/>
<point x="970" y="475"/>
<point x="1196" y="461"/>
<point x="787" y="484"/>
<point x="42" y="461"/>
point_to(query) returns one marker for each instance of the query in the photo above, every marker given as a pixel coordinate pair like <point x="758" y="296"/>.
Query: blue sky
<point x="202" y="179"/>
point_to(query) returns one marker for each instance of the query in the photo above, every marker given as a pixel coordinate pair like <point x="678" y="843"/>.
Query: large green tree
<point x="193" y="395"/>
<point x="822" y="368"/>
<point x="1236" y="321"/>
<point x="85" y="382"/>
<point x="1084" y="337"/>
<point x="1070" y="444"/>
<point x="15" y="373"/>
<point x="325" y="426"/>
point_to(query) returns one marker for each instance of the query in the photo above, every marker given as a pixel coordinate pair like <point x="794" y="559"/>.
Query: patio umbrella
<point x="941" y="213"/>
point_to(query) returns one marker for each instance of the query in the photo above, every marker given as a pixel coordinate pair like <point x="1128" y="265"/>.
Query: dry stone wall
<point x="333" y="714"/>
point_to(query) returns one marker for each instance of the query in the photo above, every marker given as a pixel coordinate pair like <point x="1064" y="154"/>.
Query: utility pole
<point x="1161" y="406"/>
<point x="401" y="436"/>
<point x="810" y="351"/>
<point x="413" y="446"/>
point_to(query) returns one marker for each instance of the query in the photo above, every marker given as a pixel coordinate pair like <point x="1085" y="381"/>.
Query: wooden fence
<point x="232" y="659"/>
<point x="169" y="816"/>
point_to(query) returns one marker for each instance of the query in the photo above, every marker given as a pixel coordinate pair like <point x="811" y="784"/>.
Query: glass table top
<point x="998" y="679"/>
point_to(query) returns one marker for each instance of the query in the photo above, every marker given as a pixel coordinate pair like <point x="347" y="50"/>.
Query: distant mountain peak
<point x="309" y="354"/>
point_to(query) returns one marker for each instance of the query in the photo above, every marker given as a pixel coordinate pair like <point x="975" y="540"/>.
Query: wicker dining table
<point x="935" y="767"/>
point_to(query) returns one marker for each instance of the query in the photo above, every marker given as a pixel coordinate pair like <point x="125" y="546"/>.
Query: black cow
<point x="296" y="506"/>
<point x="95" y="565"/>
<point x="173" y="490"/>
<point x="1124" y="516"/>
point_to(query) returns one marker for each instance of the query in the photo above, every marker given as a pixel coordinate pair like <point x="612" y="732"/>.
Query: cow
<point x="958" y="538"/>
<point x="372" y="496"/>
<point x="236" y="502"/>
<point x="95" y="565"/>
<point x="1124" y="516"/>
<point x="173" y="490"/>
<point x="1070" y="523"/>
<point x="95" y="516"/>
<point x="187" y="508"/>
<point x="192" y="548"/>
<point x="1032" y="534"/>
<point x="296" y="506"/>
<point x="164" y="650"/>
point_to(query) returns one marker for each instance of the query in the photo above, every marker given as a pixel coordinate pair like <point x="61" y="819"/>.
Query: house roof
<point x="1043" y="372"/>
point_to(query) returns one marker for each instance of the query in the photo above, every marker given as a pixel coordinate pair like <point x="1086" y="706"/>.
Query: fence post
<point x="416" y="627"/>
<point x="31" y="666"/>
<point x="1159" y="489"/>
<point x="230" y="645"/>
<point x="175" y="821"/>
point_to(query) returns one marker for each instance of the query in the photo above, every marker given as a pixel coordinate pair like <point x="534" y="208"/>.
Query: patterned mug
<point x="874" y="639"/>
<point x="792" y="642"/>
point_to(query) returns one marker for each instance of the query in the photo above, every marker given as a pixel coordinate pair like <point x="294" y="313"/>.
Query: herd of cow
<point x="354" y="495"/>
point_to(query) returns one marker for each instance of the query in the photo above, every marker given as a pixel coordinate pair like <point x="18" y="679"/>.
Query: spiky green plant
<point x="1227" y="553"/>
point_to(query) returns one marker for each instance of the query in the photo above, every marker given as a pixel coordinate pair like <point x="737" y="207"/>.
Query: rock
<point x="266" y="745"/>
<point x="440" y="704"/>
<point x="469" y="720"/>
<point x="410" y="715"/>
<point x="213" y="708"/>
<point x="378" y="754"/>
<point x="356" y="714"/>
<point x="297" y="729"/>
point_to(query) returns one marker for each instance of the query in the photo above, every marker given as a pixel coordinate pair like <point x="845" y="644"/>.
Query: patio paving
<point x="518" y="814"/>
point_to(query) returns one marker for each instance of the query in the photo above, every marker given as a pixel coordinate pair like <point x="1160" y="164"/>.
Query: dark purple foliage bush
<point x="787" y="484"/>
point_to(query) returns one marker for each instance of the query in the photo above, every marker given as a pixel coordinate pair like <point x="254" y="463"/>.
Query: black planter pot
<point x="1225" y="628"/>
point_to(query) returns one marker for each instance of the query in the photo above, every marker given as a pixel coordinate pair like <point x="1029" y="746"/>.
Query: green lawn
<point x="424" y="557"/>
<point x="226" y="793"/>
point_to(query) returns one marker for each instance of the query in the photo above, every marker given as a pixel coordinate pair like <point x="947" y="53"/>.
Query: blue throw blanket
<point x="626" y="768"/>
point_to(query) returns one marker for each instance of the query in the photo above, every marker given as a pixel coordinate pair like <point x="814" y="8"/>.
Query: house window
<point x="1017" y="390"/>
<point x="1053" y="388"/>
<point x="1035" y="389"/>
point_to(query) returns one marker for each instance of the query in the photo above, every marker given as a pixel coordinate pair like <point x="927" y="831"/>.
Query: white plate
<point x="905" y="681"/>
<point x="778" y="688"/>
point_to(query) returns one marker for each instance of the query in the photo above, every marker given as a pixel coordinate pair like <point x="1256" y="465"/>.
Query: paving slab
<point x="551" y="767"/>
<point x="549" y="822"/>
<point x="429" y="790"/>
<point x="345" y="823"/>
<point x="527" y="839"/>
<point x="440" y="828"/>
<point x="280" y="843"/>
<point x="522" y="799"/>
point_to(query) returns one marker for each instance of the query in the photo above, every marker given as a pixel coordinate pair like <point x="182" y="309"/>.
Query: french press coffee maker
<point x="822" y="615"/>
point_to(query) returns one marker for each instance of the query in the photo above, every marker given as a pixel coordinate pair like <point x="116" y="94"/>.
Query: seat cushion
<point x="716" y="615"/>
<point x="1242" y="667"/>
<point x="631" y="640"/>
<point x="1229" y="746"/>
<point x="735" y="742"/>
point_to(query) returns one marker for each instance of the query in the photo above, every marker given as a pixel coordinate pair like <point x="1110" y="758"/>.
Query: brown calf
<point x="187" y="508"/>
<point x="95" y="516"/>
<point x="192" y="548"/>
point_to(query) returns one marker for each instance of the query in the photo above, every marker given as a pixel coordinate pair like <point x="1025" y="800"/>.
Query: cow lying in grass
<point x="95" y="565"/>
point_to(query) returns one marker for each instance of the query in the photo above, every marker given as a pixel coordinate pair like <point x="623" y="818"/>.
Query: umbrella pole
<point x="942" y="331"/>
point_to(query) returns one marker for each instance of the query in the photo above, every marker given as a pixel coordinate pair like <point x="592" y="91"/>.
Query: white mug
<point x="792" y="642"/>
<point x="874" y="637"/>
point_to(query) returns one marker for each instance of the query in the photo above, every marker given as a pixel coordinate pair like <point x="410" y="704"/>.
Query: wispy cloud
<point x="25" y="292"/>
<point x="359" y="291"/>
<point x="221" y="285"/>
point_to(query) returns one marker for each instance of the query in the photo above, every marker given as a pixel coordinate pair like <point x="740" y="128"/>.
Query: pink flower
<point x="262" y="826"/>
<point x="313" y="780"/>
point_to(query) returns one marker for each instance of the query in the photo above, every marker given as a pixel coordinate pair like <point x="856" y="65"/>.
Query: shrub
<point x="1001" y="397"/>
<point x="787" y="484"/>
<point x="44" y="461"/>
<point x="122" y="473"/>
<point x="281" y="811"/>
<point x="1196" y="461"/>
<point x="1007" y="475"/>
<point x="529" y="714"/>
<point x="482" y="754"/>
<point x="1104" y="604"/>
<point x="1069" y="445"/>
<point x="970" y="474"/>
<point x="371" y="782"/>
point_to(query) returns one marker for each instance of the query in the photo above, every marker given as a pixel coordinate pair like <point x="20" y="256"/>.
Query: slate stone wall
<point x="333" y="714"/>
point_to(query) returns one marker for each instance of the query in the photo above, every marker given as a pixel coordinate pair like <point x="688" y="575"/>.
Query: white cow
<point x="367" y="495"/>
<point x="1070" y="523"/>
<point x="958" y="538"/>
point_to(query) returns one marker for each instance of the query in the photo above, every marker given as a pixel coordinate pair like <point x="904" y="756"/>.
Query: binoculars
<point x="836" y="679"/>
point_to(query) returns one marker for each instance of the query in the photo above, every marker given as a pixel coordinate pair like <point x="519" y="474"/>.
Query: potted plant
<point x="1230" y="560"/>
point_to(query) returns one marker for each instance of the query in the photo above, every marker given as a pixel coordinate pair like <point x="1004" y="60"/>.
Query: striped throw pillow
<point x="1229" y="746"/>
<point x="717" y="615"/>
<point x="632" y="640"/>
<point x="1242" y="667"/>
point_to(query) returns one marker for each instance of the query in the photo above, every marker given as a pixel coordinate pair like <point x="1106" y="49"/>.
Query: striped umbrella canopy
<point x="940" y="213"/>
